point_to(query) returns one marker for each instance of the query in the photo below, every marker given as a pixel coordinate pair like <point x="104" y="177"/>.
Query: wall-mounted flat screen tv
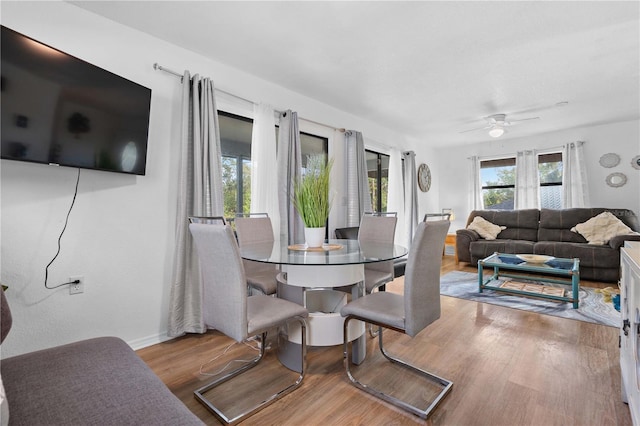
<point x="60" y="110"/>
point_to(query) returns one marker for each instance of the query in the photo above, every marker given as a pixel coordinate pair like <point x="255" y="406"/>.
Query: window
<point x="550" y="169"/>
<point x="235" y="141"/>
<point x="313" y="145"/>
<point x="498" y="180"/>
<point x="378" y="173"/>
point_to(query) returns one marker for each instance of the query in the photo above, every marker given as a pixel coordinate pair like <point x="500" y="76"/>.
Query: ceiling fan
<point x="496" y="124"/>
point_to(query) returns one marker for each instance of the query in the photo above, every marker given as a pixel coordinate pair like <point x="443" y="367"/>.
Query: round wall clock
<point x="424" y="177"/>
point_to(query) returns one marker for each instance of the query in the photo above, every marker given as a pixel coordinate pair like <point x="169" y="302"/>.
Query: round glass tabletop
<point x="348" y="252"/>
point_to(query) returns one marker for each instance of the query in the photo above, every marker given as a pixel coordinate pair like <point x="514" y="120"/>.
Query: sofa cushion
<point x="555" y="225"/>
<point x="5" y="326"/>
<point x="483" y="248"/>
<point x="590" y="255"/>
<point x="601" y="228"/>
<point x="5" y="316"/>
<point x="521" y="224"/>
<point x="92" y="382"/>
<point x="486" y="229"/>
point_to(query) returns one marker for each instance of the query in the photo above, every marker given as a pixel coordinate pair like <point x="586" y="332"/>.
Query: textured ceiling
<point x="426" y="69"/>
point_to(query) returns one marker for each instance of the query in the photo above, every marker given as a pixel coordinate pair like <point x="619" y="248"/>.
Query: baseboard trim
<point x="149" y="341"/>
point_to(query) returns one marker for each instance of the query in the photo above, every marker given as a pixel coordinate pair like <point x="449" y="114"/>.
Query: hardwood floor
<point x="509" y="367"/>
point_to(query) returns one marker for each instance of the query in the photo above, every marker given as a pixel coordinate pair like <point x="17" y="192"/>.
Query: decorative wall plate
<point x="424" y="177"/>
<point x="609" y="160"/>
<point x="635" y="162"/>
<point x="616" y="180"/>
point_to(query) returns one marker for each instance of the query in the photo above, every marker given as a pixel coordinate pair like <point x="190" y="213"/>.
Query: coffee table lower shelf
<point x="503" y="270"/>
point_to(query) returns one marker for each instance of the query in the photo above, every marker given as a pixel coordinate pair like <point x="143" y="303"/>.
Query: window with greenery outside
<point x="498" y="179"/>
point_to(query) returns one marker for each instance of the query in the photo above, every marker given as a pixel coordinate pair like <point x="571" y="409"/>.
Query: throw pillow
<point x="486" y="229"/>
<point x="601" y="228"/>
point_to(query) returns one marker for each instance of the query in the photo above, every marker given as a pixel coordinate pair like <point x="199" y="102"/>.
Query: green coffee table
<point x="553" y="271"/>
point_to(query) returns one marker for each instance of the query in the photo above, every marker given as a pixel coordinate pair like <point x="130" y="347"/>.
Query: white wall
<point x="620" y="138"/>
<point x="120" y="235"/>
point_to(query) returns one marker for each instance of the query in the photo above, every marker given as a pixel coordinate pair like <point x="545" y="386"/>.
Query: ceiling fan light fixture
<point x="496" y="132"/>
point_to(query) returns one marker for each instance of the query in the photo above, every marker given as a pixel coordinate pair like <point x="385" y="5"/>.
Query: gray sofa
<point x="548" y="232"/>
<point x="92" y="382"/>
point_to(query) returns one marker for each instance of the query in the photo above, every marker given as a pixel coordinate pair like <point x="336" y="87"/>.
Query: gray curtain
<point x="527" y="193"/>
<point x="199" y="194"/>
<point x="410" y="195"/>
<point x="357" y="184"/>
<point x="574" y="176"/>
<point x="289" y="166"/>
<point x="476" y="200"/>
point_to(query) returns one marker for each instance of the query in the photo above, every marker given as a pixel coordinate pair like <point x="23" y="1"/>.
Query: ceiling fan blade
<point x="478" y="128"/>
<point x="524" y="119"/>
<point x="545" y="107"/>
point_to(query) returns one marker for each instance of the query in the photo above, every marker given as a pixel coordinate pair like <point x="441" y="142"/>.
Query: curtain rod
<point x="541" y="151"/>
<point x="159" y="67"/>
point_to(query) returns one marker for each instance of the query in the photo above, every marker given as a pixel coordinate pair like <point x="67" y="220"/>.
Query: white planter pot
<point x="314" y="237"/>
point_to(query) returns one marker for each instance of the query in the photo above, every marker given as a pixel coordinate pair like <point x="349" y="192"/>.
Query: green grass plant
<point x="311" y="192"/>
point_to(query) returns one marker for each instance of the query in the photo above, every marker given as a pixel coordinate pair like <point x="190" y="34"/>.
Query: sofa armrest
<point x="464" y="238"/>
<point x="617" y="241"/>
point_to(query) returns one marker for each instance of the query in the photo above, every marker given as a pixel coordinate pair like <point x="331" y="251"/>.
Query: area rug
<point x="592" y="307"/>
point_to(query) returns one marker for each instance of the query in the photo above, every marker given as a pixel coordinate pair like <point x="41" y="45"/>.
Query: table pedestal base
<point x="312" y="287"/>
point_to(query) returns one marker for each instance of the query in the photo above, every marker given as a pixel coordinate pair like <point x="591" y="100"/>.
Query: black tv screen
<point x="60" y="110"/>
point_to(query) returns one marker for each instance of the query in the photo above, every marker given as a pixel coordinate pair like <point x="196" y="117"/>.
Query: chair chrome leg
<point x="199" y="393"/>
<point x="373" y="333"/>
<point x="446" y="384"/>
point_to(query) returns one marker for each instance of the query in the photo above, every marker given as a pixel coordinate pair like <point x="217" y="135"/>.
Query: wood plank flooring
<point x="509" y="367"/>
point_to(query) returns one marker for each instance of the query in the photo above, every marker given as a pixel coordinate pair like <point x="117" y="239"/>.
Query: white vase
<point x="314" y="237"/>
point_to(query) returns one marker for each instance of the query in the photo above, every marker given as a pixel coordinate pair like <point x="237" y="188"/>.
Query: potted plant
<point x="311" y="199"/>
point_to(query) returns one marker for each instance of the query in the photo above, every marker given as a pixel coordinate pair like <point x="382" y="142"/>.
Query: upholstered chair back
<point x="224" y="283"/>
<point x="422" y="276"/>
<point x="380" y="229"/>
<point x="253" y="230"/>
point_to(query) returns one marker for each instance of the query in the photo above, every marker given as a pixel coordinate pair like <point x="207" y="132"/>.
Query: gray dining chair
<point x="256" y="228"/>
<point x="377" y="227"/>
<point x="436" y="216"/>
<point x="228" y="309"/>
<point x="409" y="313"/>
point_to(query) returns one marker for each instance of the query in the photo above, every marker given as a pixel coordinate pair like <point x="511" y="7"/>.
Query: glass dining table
<point x="320" y="279"/>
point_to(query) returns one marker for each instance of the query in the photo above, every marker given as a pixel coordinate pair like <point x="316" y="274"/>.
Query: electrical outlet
<point x="76" y="288"/>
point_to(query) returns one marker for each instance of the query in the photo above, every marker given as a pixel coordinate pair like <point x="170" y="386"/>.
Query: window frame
<point x="511" y="161"/>
<point x="240" y="157"/>
<point x="378" y="206"/>
<point x="551" y="155"/>
<point x="498" y="161"/>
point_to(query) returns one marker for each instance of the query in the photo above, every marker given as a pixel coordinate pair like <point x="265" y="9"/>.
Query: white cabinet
<point x="630" y="327"/>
